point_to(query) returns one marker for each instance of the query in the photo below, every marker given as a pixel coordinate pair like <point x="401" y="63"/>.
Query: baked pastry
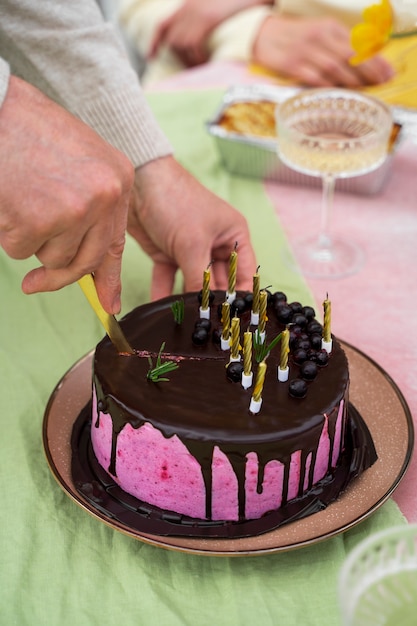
<point x="255" y="118"/>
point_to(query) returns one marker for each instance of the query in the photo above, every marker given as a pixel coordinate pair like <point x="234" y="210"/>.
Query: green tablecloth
<point x="58" y="565"/>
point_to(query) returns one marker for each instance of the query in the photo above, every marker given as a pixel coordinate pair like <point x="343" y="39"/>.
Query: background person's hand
<point x="186" y="31"/>
<point x="315" y="52"/>
<point x="181" y="224"/>
<point x="64" y="195"/>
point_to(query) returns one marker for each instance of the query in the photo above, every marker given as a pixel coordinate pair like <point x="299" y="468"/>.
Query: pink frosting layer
<point x="162" y="472"/>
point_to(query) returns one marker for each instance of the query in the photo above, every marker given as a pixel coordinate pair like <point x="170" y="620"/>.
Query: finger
<point x="311" y="76"/>
<point x="22" y="240"/>
<point x="322" y="59"/>
<point x="185" y="57"/>
<point x="220" y="273"/>
<point x="107" y="278"/>
<point x="304" y="68"/>
<point x="94" y="255"/>
<point x="221" y="262"/>
<point x="61" y="250"/>
<point x="375" y="71"/>
<point x="326" y="68"/>
<point x="198" y="54"/>
<point x="42" y="279"/>
<point x="159" y="38"/>
<point x="163" y="277"/>
<point x="246" y="266"/>
<point x="338" y="69"/>
<point x="107" y="274"/>
<point x="193" y="262"/>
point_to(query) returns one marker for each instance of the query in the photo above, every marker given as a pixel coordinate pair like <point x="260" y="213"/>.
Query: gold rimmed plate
<point x="375" y="396"/>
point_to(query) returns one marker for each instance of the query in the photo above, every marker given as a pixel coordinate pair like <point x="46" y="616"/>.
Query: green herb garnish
<point x="154" y="373"/>
<point x="177" y="309"/>
<point x="262" y="350"/>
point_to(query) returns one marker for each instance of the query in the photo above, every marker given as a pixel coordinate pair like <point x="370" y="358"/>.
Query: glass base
<point x="325" y="259"/>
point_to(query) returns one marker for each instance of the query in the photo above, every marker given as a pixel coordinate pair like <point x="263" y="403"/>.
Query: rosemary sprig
<point x="262" y="350"/>
<point x="177" y="309"/>
<point x="154" y="373"/>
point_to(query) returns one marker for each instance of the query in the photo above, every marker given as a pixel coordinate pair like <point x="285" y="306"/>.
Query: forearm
<point x="72" y="55"/>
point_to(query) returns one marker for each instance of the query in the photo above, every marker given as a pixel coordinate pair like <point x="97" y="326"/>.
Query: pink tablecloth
<point x="382" y="297"/>
<point x="381" y="316"/>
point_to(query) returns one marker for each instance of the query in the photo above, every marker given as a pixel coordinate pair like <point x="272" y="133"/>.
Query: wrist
<point x="262" y="36"/>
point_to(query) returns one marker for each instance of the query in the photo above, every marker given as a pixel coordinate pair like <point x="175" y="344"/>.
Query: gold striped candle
<point x="232" y="272"/>
<point x="255" y="290"/>
<point x="205" y="296"/>
<point x="260" y="379"/>
<point x="263" y="298"/>
<point x="285" y="342"/>
<point x="247" y="353"/>
<point x="327" y="333"/>
<point x="235" y="338"/>
<point x="225" y="320"/>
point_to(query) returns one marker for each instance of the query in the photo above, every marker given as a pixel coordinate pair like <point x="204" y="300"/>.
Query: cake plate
<point x="373" y="393"/>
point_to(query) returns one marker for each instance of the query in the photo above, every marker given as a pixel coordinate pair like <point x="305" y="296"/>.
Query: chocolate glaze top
<point x="199" y="402"/>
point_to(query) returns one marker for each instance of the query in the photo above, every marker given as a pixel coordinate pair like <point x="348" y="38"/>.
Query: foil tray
<point x="257" y="157"/>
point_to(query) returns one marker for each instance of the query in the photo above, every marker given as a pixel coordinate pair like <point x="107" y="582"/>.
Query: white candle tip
<point x="204" y="313"/>
<point x="254" y="318"/>
<point x="255" y="405"/>
<point x="234" y="359"/>
<point x="283" y="374"/>
<point x="247" y="380"/>
<point x="327" y="345"/>
<point x="230" y="297"/>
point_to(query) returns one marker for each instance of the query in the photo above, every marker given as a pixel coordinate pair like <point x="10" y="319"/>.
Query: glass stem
<point x="326" y="210"/>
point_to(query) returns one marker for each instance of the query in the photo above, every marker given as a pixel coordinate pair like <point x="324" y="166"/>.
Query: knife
<point x="111" y="325"/>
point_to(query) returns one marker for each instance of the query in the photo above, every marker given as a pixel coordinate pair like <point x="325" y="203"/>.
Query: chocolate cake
<point x="188" y="442"/>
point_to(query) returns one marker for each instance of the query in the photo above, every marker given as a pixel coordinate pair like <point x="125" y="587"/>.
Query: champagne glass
<point x="332" y="133"/>
<point x="378" y="580"/>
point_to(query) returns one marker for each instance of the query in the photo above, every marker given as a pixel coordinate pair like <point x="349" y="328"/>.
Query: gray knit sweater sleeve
<point x="4" y="79"/>
<point x="69" y="52"/>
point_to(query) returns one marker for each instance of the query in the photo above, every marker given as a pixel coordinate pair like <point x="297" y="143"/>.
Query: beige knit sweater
<point x="65" y="48"/>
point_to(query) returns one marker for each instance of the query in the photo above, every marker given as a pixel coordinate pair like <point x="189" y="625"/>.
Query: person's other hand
<point x="186" y="31"/>
<point x="315" y="52"/>
<point x="64" y="195"/>
<point x="181" y="224"/>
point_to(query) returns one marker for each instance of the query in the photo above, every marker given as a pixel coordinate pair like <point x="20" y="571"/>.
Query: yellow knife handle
<point x="111" y="325"/>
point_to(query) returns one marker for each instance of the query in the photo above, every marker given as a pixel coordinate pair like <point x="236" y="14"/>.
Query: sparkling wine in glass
<point x="331" y="133"/>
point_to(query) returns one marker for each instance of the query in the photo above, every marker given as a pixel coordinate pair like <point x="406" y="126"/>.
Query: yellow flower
<point x="371" y="35"/>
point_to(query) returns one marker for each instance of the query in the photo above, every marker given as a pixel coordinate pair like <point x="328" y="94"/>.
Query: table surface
<point x="60" y="565"/>
<point x="371" y="307"/>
